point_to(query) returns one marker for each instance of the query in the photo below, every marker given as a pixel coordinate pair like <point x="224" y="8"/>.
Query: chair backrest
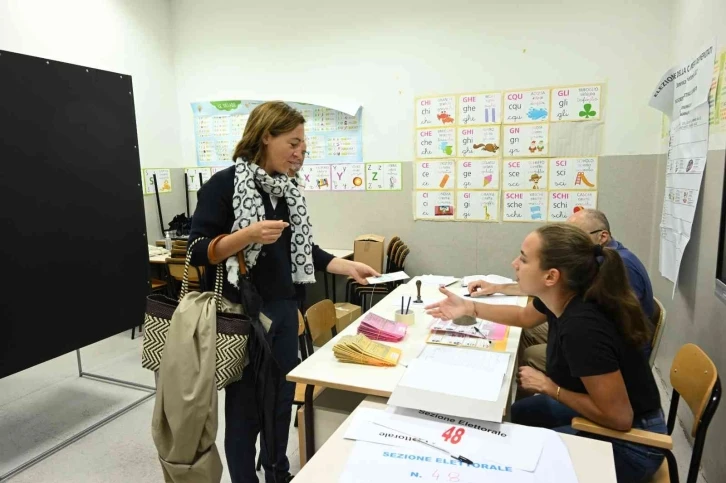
<point x="693" y="376"/>
<point x="389" y="252"/>
<point x="401" y="262"/>
<point x="658" y="319"/>
<point x="321" y="317"/>
<point x="393" y="250"/>
<point x="176" y="270"/>
<point x="300" y="324"/>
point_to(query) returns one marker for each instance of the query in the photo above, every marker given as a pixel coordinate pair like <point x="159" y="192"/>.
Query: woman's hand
<point x="356" y="270"/>
<point x="530" y="379"/>
<point x="452" y="307"/>
<point x="266" y="232"/>
<point x="360" y="271"/>
<point x="480" y="288"/>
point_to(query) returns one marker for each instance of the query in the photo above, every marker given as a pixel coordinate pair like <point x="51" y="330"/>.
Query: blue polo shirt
<point x="638" y="276"/>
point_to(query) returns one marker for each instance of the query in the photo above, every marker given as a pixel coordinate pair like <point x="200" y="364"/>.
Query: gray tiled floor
<point x="41" y="406"/>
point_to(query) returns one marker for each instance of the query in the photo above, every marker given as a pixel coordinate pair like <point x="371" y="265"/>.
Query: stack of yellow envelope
<point x="359" y="349"/>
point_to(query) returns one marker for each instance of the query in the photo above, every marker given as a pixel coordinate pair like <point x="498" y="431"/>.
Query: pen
<point x="408" y="305"/>
<point x="423" y="441"/>
<point x="479" y="331"/>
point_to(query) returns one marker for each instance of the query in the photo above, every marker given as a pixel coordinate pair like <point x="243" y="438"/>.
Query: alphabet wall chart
<point x="334" y="159"/>
<point x="485" y="156"/>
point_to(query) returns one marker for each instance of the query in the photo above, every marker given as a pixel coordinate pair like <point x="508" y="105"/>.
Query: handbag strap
<point x="218" y="281"/>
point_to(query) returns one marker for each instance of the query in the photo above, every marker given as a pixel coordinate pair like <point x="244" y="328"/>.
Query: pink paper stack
<point x="377" y="328"/>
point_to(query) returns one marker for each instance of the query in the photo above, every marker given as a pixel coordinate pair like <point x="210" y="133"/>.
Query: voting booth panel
<point x="73" y="244"/>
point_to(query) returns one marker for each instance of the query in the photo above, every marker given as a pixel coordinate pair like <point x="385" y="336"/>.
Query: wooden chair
<point x="299" y="399"/>
<point x="695" y="379"/>
<point x="175" y="271"/>
<point x="155" y="285"/>
<point x="658" y="319"/>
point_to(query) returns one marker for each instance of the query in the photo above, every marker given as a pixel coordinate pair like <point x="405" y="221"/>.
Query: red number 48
<point x="453" y="434"/>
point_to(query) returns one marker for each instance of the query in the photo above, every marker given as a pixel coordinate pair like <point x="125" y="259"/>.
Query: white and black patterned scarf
<point x="249" y="209"/>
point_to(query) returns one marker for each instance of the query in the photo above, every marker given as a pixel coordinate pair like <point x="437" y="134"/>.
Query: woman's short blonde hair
<point x="273" y="118"/>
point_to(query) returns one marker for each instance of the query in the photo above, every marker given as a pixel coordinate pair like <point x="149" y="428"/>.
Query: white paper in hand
<point x="387" y="277"/>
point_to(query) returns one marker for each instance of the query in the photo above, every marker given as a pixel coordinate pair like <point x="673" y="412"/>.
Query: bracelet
<point x="558" y="393"/>
<point x="211" y="252"/>
<point x="473" y="306"/>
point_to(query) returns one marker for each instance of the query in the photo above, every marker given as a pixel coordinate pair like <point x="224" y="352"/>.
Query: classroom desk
<point x="158" y="259"/>
<point x="337" y="253"/>
<point x="323" y="369"/>
<point x="592" y="460"/>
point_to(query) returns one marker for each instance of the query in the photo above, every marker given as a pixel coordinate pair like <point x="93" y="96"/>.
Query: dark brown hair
<point x="273" y="118"/>
<point x="568" y="249"/>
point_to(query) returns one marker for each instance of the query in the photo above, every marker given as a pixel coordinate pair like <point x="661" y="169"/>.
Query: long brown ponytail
<point x="569" y="250"/>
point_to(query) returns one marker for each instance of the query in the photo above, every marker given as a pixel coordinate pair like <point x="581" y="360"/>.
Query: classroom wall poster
<point x="478" y="142"/>
<point x="543" y="154"/>
<point x="435" y="111"/>
<point x="526" y="140"/>
<point x="480" y="108"/>
<point x="434" y="205"/>
<point x="576" y="103"/>
<point x="721" y="96"/>
<point x="713" y="94"/>
<point x="315" y="177"/>
<point x="563" y="204"/>
<point x="348" y="177"/>
<point x="478" y="174"/>
<point x="526" y="106"/>
<point x="333" y="137"/>
<point x="192" y="175"/>
<point x="573" y="174"/>
<point x="683" y="93"/>
<point x="524" y="174"/>
<point x="384" y="177"/>
<point x="524" y="206"/>
<point x="436" y="143"/>
<point x="477" y="205"/>
<point x="163" y="180"/>
<point x="436" y="175"/>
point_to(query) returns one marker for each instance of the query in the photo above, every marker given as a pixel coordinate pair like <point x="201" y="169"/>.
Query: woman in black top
<point x="256" y="208"/>
<point x="594" y="367"/>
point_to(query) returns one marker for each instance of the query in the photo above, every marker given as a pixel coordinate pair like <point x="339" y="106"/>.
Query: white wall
<point x="383" y="53"/>
<point x="126" y="36"/>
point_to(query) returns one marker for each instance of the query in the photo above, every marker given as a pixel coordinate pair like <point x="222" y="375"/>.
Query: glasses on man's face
<point x="596" y="231"/>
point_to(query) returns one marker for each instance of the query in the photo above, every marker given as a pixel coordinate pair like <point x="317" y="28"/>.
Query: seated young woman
<point x="596" y="327"/>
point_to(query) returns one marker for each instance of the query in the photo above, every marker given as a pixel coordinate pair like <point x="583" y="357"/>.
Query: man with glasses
<point x="533" y="346"/>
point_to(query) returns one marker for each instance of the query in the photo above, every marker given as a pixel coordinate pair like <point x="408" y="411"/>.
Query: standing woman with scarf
<point x="256" y="208"/>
